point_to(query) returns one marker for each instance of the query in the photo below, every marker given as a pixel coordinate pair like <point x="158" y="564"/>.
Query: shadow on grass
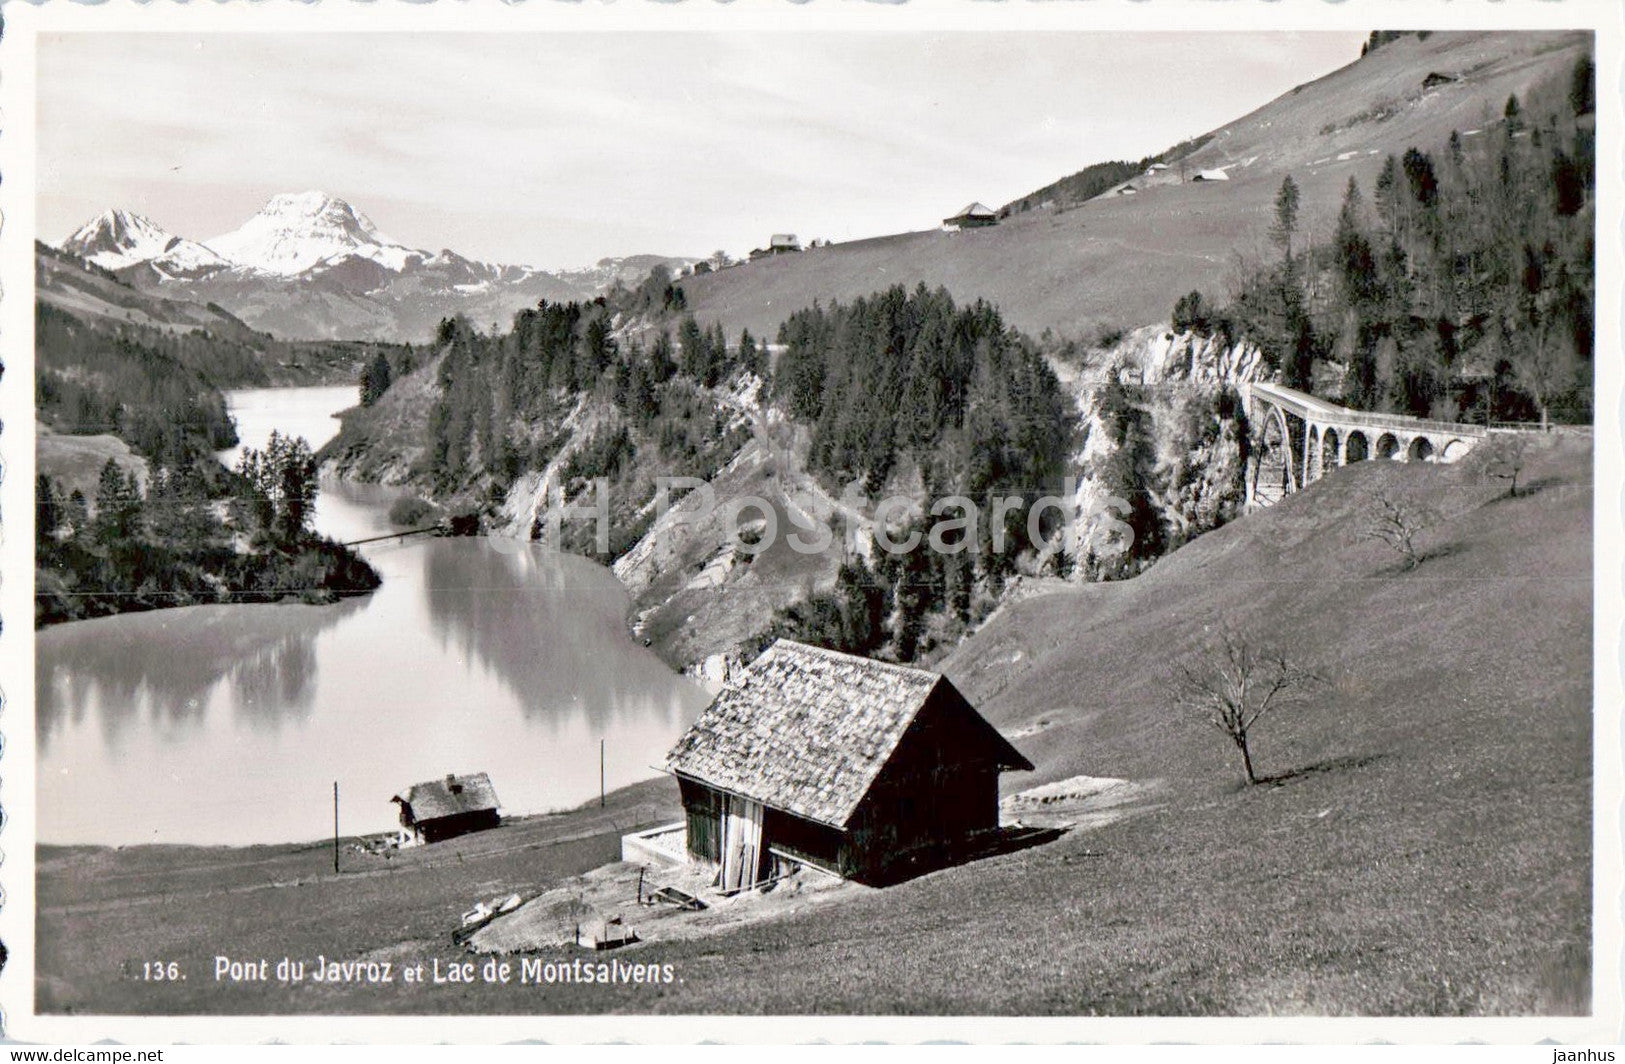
<point x="1532" y="487"/>
<point x="1319" y="768"/>
<point x="990" y="844"/>
<point x="1404" y="567"/>
<point x="1444" y="550"/>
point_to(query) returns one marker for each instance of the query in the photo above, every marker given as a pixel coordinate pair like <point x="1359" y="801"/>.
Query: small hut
<point x="783" y="242"/>
<point x="1211" y="175"/>
<point x="973" y="216"/>
<point x="851" y="765"/>
<point x="444" y="809"/>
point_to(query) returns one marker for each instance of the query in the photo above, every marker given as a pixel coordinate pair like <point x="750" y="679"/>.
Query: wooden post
<point x="335" y="827"/>
<point x="601" y="792"/>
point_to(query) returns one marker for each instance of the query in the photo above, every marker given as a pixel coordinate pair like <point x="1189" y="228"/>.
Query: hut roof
<point x="784" y="240"/>
<point x="449" y="797"/>
<point x="976" y="210"/>
<point x="808" y="730"/>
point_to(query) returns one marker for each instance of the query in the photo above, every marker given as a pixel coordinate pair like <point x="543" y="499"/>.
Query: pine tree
<point x="375" y="379"/>
<point x="1583" y="87"/>
<point x="1286" y="217"/>
<point x="751" y="360"/>
<point x="118" y="506"/>
<point x="281" y="487"/>
<point x="1513" y="115"/>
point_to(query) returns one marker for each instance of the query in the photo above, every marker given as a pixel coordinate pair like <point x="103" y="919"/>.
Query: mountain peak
<point x="317" y="206"/>
<point x="117" y="238"/>
<point x="295" y="231"/>
<point x="116" y="223"/>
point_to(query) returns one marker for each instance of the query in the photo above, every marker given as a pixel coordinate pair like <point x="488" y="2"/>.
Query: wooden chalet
<point x="850" y="765"/>
<point x="973" y="216"/>
<point x="444" y="809"/>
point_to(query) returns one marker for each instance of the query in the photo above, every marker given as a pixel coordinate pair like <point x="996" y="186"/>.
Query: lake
<point x="229" y="724"/>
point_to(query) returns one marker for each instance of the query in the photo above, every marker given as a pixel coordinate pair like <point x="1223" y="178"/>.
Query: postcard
<point x="994" y="522"/>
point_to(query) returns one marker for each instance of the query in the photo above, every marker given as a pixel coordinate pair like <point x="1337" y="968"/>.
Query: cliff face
<point x="1164" y="444"/>
<point x="1208" y="362"/>
<point x="1156" y="355"/>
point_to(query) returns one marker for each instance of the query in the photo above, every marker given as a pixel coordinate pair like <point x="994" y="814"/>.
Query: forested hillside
<point x="896" y="393"/>
<point x="908" y="390"/>
<point x="166" y="523"/>
<point x="147" y="387"/>
<point x="1458" y="285"/>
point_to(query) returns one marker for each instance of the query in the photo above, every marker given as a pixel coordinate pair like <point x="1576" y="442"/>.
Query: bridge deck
<point x="1309" y="408"/>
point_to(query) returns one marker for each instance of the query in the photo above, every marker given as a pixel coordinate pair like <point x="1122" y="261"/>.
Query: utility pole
<point x="601" y="793"/>
<point x="335" y="827"/>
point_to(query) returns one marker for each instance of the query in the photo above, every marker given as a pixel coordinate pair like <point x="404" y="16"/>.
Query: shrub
<point x="412" y="512"/>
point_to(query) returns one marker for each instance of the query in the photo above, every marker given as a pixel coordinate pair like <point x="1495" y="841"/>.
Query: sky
<point x="556" y="150"/>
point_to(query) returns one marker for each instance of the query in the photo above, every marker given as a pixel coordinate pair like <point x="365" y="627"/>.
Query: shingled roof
<point x="808" y="730"/>
<point x="449" y="797"/>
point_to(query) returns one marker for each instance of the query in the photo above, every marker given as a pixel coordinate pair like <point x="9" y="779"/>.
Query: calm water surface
<point x="229" y="724"/>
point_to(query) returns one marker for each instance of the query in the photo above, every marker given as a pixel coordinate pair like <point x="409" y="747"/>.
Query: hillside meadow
<point x="1118" y="262"/>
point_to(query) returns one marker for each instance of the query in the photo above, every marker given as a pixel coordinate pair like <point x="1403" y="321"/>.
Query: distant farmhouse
<point x="444" y="809"/>
<point x="1211" y="175"/>
<point x="850" y="765"/>
<point x="779" y="244"/>
<point x="973" y="216"/>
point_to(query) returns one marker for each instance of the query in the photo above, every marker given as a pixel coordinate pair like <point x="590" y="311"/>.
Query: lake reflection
<point x="229" y="724"/>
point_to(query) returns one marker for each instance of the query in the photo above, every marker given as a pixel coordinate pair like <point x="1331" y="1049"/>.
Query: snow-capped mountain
<point x="115" y="239"/>
<point x="308" y="265"/>
<point x="296" y="231"/>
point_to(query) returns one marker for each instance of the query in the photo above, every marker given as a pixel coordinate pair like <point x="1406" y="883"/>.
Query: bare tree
<point x="1502" y="456"/>
<point x="1398" y="523"/>
<point x="1545" y="366"/>
<point x="1233" y="685"/>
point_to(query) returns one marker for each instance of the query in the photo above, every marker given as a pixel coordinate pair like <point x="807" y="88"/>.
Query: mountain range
<point x="309" y="266"/>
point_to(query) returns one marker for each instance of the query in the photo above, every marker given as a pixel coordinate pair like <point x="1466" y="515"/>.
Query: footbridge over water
<point x="1298" y="439"/>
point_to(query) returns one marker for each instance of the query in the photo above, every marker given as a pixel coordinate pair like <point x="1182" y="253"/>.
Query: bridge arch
<point x="1420" y="450"/>
<point x="1453" y="450"/>
<point x="1313" y="448"/>
<point x="1331" y="450"/>
<point x="1356" y="448"/>
<point x="1272" y="475"/>
<point x="1387" y="446"/>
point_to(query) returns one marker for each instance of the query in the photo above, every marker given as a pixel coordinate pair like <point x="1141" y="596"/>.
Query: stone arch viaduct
<point x="1298" y="439"/>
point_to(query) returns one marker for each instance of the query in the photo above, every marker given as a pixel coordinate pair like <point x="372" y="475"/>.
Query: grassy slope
<point x="1123" y="260"/>
<point x="63" y="282"/>
<point x="75" y="462"/>
<point x="1429" y="851"/>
